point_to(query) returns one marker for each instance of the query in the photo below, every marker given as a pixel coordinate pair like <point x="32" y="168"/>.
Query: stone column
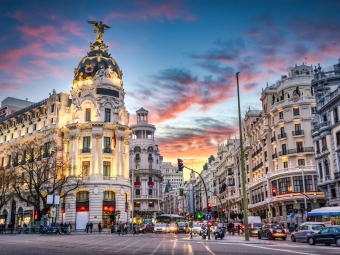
<point x="71" y="155"/>
<point x="93" y="152"/>
<point x="100" y="154"/>
<point x="121" y="156"/>
<point x="76" y="154"/>
<point x="117" y="157"/>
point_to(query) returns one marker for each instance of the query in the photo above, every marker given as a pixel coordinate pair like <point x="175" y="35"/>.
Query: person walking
<point x="87" y="227"/>
<point x="69" y="228"/>
<point x="91" y="226"/>
<point x="232" y="228"/>
<point x="119" y="228"/>
<point x="238" y="229"/>
<point x="100" y="227"/>
<point x="125" y="228"/>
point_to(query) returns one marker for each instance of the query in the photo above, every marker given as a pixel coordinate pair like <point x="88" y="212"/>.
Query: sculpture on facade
<point x="99" y="27"/>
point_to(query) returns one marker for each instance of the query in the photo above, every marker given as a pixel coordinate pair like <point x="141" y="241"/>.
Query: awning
<point x="311" y="214"/>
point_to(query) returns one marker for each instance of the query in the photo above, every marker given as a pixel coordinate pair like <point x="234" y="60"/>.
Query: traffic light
<point x="223" y="210"/>
<point x="180" y="165"/>
<point x="209" y="207"/>
<point x="199" y="216"/>
<point x="274" y="192"/>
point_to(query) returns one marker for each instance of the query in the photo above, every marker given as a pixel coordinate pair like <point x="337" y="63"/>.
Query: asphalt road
<point x="152" y="244"/>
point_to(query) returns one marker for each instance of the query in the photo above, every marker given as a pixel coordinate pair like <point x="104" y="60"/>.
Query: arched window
<point x="137" y="149"/>
<point x="150" y="149"/>
<point x="137" y="192"/>
<point x="150" y="192"/>
<point x="150" y="179"/>
<point x="82" y="196"/>
<point x="108" y="196"/>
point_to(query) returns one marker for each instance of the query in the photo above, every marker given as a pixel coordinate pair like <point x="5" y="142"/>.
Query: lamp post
<point x="304" y="187"/>
<point x="55" y="173"/>
<point x="268" y="190"/>
<point x="132" y="193"/>
<point x="244" y="191"/>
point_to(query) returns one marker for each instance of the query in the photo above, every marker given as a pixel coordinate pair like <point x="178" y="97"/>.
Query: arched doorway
<point x="20" y="216"/>
<point x="109" y="208"/>
<point x="82" y="209"/>
<point x="3" y="216"/>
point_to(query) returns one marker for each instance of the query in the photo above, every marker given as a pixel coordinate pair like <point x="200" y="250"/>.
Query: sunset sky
<point x="179" y="58"/>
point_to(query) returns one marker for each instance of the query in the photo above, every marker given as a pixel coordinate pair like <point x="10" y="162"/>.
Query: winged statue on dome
<point x="99" y="27"/>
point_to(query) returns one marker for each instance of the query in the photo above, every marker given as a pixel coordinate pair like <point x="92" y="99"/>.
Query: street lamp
<point x="55" y="173"/>
<point x="303" y="183"/>
<point x="244" y="191"/>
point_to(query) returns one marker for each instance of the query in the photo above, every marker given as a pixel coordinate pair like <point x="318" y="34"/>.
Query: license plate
<point x="159" y="229"/>
<point x="279" y="231"/>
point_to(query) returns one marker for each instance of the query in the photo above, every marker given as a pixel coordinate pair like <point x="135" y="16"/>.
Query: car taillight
<point x="313" y="232"/>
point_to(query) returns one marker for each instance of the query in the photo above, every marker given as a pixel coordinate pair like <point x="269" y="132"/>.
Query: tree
<point x="6" y="192"/>
<point x="40" y="169"/>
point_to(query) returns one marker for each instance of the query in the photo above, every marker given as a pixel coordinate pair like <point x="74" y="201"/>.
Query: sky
<point x="179" y="57"/>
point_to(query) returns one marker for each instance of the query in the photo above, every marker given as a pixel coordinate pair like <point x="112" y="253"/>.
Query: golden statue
<point x="99" y="27"/>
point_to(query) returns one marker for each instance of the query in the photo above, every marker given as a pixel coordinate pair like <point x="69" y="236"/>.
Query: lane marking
<point x="174" y="247"/>
<point x="141" y="247"/>
<point x="208" y="249"/>
<point x="126" y="246"/>
<point x="115" y="245"/>
<point x="157" y="248"/>
<point x="275" y="249"/>
<point x="190" y="252"/>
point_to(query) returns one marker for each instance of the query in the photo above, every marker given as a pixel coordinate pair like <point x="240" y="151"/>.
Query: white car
<point x="197" y="227"/>
<point x="161" y="228"/>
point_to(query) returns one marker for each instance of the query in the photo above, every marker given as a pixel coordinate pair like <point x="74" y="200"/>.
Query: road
<point x="152" y="244"/>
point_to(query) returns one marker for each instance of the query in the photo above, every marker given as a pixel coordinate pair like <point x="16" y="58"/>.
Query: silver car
<point x="161" y="228"/>
<point x="196" y="229"/>
<point x="299" y="235"/>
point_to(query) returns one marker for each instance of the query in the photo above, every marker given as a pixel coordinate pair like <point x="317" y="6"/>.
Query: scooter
<point x="204" y="233"/>
<point x="220" y="233"/>
<point x="46" y="230"/>
<point x="64" y="230"/>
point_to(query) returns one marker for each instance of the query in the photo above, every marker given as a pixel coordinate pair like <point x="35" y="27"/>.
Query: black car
<point x="182" y="227"/>
<point x="327" y="236"/>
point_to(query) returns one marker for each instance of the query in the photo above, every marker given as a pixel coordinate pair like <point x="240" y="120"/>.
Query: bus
<point x="169" y="218"/>
<point x="328" y="215"/>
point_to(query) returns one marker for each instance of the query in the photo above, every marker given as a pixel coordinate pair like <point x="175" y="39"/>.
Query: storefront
<point x="3" y="216"/>
<point x="82" y="209"/>
<point x="109" y="208"/>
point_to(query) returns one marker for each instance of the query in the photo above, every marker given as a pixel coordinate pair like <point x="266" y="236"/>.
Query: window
<point x="107" y="117"/>
<point x="86" y="168"/>
<point x="150" y="178"/>
<point x="326" y="169"/>
<point x="137" y="192"/>
<point x="289" y="208"/>
<point x="313" y="109"/>
<point x="108" y="196"/>
<point x="107" y="143"/>
<point x="320" y="171"/>
<point x="282" y="130"/>
<point x="324" y="118"/>
<point x="34" y="127"/>
<point x="151" y="204"/>
<point x="338" y="138"/>
<point x="150" y="166"/>
<point x="52" y="107"/>
<point x="301" y="162"/>
<point x="324" y="144"/>
<point x="296" y="111"/>
<point x="265" y="156"/>
<point x="309" y="182"/>
<point x="284" y="149"/>
<point x="150" y="192"/>
<point x="284" y="185"/>
<point x="86" y="144"/>
<point x="106" y="168"/>
<point x="88" y="114"/>
<point x="136" y="204"/>
<point x="280" y="210"/>
<point x="317" y="144"/>
<point x="82" y="196"/>
<point x="333" y="193"/>
<point x="335" y="115"/>
<point x="2" y="161"/>
<point x="280" y="115"/>
<point x="299" y="146"/>
<point x="285" y="164"/>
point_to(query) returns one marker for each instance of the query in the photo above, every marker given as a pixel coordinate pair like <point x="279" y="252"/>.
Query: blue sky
<point x="179" y="58"/>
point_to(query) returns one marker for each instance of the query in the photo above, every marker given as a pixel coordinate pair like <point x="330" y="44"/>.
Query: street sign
<point x="270" y="214"/>
<point x="53" y="212"/>
<point x="291" y="215"/>
<point x="208" y="217"/>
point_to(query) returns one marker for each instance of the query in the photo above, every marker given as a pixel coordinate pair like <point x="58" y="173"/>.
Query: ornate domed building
<point x="91" y="127"/>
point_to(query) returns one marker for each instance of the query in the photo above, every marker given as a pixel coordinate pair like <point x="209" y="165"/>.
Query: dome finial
<point x="99" y="27"/>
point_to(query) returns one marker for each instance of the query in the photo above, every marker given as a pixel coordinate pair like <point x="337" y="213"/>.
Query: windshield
<point x="197" y="225"/>
<point x="181" y="224"/>
<point x="256" y="225"/>
<point x="276" y="227"/>
<point x="161" y="225"/>
<point x="318" y="227"/>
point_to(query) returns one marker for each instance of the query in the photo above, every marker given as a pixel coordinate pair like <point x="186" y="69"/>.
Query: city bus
<point x="169" y="218"/>
<point x="327" y="215"/>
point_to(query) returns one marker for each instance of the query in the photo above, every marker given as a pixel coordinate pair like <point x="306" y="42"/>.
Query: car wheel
<point x="215" y="237"/>
<point x="327" y="244"/>
<point x="284" y="238"/>
<point x="337" y="242"/>
<point x="259" y="236"/>
<point x="293" y="238"/>
<point x="311" y="241"/>
<point x="268" y="236"/>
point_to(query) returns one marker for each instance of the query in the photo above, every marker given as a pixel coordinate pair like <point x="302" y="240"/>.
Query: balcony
<point x="107" y="150"/>
<point x="256" y="152"/>
<point x="298" y="132"/>
<point x="85" y="150"/>
<point x="282" y="136"/>
<point x="282" y="153"/>
<point x="258" y="166"/>
<point x="324" y="124"/>
<point x="273" y="139"/>
<point x="137" y="159"/>
<point x="299" y="150"/>
<point x="137" y="183"/>
<point x="274" y="156"/>
<point x="150" y="183"/>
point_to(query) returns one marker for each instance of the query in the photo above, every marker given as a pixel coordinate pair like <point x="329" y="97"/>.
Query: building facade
<point x="326" y="131"/>
<point x="146" y="169"/>
<point x="91" y="126"/>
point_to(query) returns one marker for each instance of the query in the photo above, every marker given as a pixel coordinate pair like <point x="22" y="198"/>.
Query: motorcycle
<point x="220" y="233"/>
<point x="64" y="230"/>
<point x="46" y="230"/>
<point x="204" y="233"/>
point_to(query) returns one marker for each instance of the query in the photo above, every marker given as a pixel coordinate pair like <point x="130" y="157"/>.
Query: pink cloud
<point x="7" y="87"/>
<point x="48" y="34"/>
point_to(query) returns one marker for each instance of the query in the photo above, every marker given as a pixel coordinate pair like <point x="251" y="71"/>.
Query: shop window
<point x="82" y="196"/>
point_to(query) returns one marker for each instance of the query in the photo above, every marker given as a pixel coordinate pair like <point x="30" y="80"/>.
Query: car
<point x="300" y="234"/>
<point x="161" y="228"/>
<point x="254" y="228"/>
<point x="197" y="227"/>
<point x="146" y="228"/>
<point x="272" y="231"/>
<point x="173" y="228"/>
<point x="182" y="227"/>
<point x="327" y="236"/>
<point x="236" y="225"/>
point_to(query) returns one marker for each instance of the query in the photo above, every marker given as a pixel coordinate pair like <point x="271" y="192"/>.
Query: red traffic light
<point x="223" y="210"/>
<point x="209" y="205"/>
<point x="274" y="192"/>
<point x="180" y="164"/>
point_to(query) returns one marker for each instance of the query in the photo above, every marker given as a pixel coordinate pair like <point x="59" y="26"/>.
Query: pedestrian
<point x="91" y="226"/>
<point x="69" y="228"/>
<point x="87" y="227"/>
<point x="238" y="229"/>
<point x="119" y="228"/>
<point x="232" y="228"/>
<point x="100" y="227"/>
<point x="125" y="228"/>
